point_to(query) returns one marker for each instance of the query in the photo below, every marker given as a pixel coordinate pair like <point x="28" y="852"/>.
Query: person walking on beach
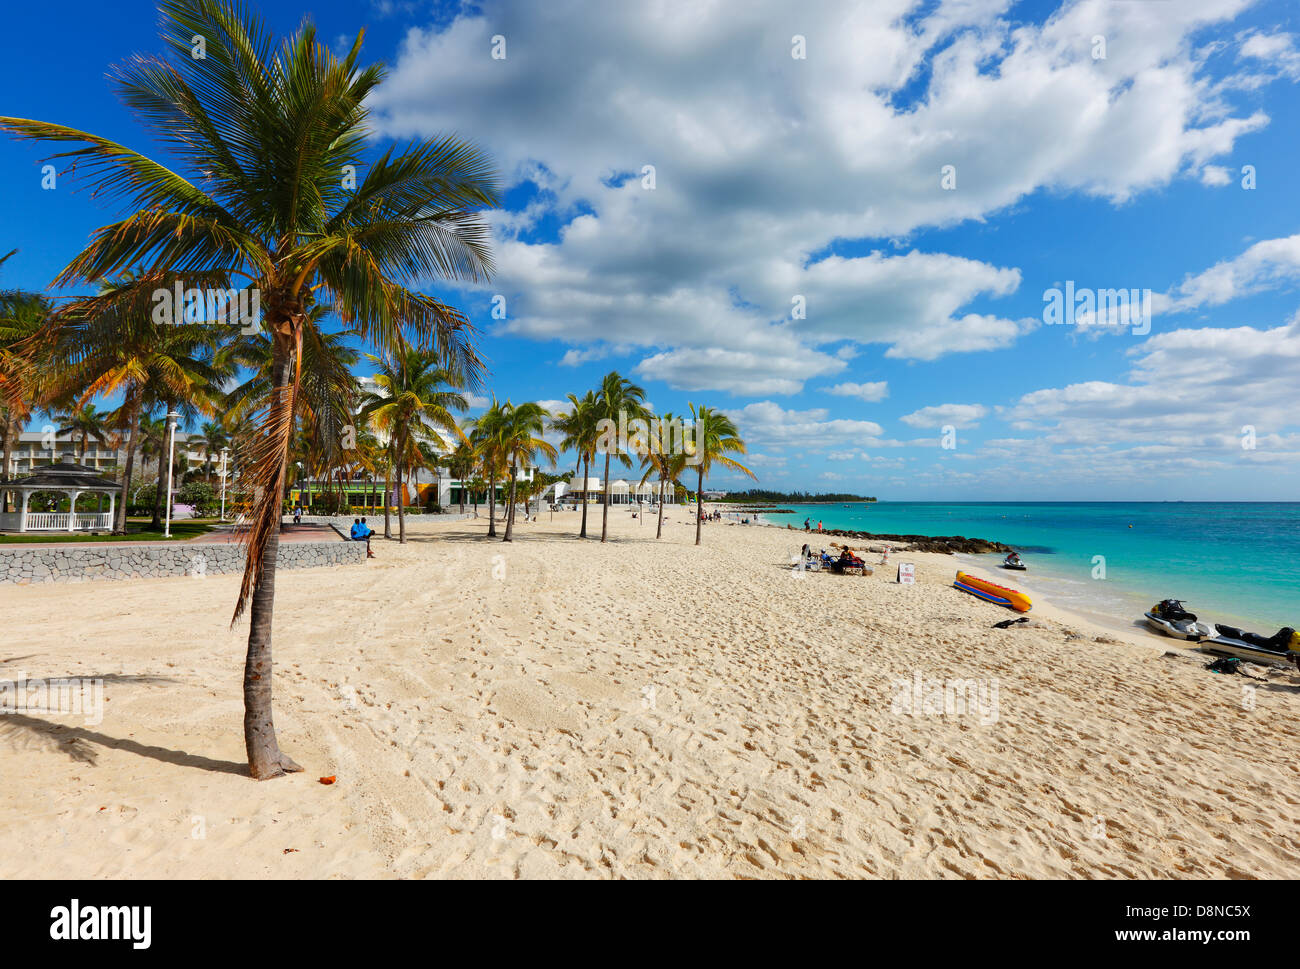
<point x="819" y="525"/>
<point x="807" y="527"/>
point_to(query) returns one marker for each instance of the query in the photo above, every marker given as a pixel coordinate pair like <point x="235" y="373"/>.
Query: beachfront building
<point x="35" y="449"/>
<point x="40" y="496"/>
<point x="423" y="488"/>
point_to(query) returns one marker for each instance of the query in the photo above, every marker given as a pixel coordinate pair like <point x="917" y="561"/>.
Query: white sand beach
<point x="638" y="709"/>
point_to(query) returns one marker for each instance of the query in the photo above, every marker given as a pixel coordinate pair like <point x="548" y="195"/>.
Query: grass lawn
<point x="137" y="531"/>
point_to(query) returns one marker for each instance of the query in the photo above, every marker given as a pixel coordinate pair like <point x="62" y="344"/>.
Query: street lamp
<point x="172" y="418"/>
<point x="224" y="451"/>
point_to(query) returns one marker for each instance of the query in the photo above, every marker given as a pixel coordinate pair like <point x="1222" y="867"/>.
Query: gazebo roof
<point x="63" y="477"/>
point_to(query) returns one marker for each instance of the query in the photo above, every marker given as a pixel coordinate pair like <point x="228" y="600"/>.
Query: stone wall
<point x="24" y="564"/>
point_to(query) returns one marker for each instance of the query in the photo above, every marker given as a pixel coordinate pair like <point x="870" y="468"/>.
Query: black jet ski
<point x="1013" y="563"/>
<point x="1169" y="617"/>
<point x="1282" y="647"/>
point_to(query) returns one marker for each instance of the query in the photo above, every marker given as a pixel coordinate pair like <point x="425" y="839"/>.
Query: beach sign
<point x="907" y="573"/>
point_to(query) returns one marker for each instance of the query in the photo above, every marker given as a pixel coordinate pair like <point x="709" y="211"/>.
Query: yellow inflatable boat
<point x="992" y="592"/>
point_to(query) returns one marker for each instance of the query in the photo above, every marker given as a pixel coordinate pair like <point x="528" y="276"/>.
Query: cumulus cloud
<point x="871" y="392"/>
<point x="1265" y="265"/>
<point x="958" y="415"/>
<point x="762" y="162"/>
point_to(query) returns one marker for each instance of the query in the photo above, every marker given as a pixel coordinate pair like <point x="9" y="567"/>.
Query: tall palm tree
<point x="110" y="343"/>
<point x="618" y="401"/>
<point x="460" y="465"/>
<point x="264" y="131"/>
<point x="23" y="369"/>
<point x="668" y="465"/>
<point x="83" y="422"/>
<point x="716" y="436"/>
<point x="579" y="427"/>
<point x="486" y="435"/>
<point x="415" y="397"/>
<point x="213" y="438"/>
<point x="521" y="442"/>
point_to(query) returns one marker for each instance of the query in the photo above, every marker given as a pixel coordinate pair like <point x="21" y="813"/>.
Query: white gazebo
<point x="73" y="480"/>
<point x="619" y="492"/>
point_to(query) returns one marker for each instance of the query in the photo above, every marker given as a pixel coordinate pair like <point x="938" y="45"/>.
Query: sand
<point x="639" y="709"/>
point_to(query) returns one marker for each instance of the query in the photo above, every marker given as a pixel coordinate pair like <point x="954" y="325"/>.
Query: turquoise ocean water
<point x="1238" y="562"/>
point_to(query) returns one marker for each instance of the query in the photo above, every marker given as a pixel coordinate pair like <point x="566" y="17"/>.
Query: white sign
<point x="907" y="573"/>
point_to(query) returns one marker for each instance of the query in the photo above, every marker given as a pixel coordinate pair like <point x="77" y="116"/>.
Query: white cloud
<point x="768" y="423"/>
<point x="762" y="161"/>
<point x="871" y="393"/>
<point x="958" y="415"/>
<point x="1265" y="265"/>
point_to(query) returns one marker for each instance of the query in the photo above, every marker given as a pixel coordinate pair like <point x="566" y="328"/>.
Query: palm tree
<point x="487" y="433"/>
<point x="23" y="317"/>
<point x="214" y="438"/>
<point x="415" y="397"/>
<point x="715" y="437"/>
<point x="521" y="442"/>
<point x="266" y="130"/>
<point x="581" y="433"/>
<point x="618" y="398"/>
<point x="83" y="422"/>
<point x="460" y="465"/>
<point x="657" y="459"/>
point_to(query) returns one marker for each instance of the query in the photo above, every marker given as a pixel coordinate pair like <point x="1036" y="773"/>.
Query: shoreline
<point x="1096" y="620"/>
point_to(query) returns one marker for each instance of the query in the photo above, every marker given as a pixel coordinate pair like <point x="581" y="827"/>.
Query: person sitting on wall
<point x="361" y="532"/>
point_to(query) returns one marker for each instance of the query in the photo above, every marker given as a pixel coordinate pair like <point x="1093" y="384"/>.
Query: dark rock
<point x="943" y="544"/>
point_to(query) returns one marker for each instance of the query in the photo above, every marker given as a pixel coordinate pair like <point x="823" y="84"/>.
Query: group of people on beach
<point x="807" y="525"/>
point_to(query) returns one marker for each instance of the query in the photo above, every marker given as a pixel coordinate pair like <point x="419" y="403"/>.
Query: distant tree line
<point x="762" y="494"/>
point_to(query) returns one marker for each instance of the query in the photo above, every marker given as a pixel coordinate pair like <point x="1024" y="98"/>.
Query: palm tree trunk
<point x="660" y="529"/>
<point x="388" y="493"/>
<point x="265" y="759"/>
<point x="9" y="435"/>
<point x="510" y="509"/>
<point x="699" y="507"/>
<point x="604" y="511"/>
<point x="401" y="504"/>
<point x="492" y="504"/>
<point x="133" y="425"/>
<point x="586" y="474"/>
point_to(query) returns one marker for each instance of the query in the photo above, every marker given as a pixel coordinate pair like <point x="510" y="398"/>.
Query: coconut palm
<point x="83" y="422"/>
<point x="111" y="343"/>
<point x="656" y="459"/>
<point x="262" y="139"/>
<point x="715" y="437"/>
<point x="23" y="317"/>
<point x="460" y="465"/>
<point x="521" y="443"/>
<point x="487" y="434"/>
<point x="213" y="439"/>
<point x="619" y="401"/>
<point x="580" y="430"/>
<point x="415" y="397"/>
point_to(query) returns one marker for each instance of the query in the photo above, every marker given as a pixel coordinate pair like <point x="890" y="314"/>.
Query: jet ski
<point x="1013" y="563"/>
<point x="1282" y="647"/>
<point x="1169" y="617"/>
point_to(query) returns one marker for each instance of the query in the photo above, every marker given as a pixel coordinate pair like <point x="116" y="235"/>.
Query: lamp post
<point x="224" y="452"/>
<point x="172" y="417"/>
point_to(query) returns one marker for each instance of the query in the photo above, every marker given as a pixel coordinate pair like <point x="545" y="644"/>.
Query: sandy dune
<point x="637" y="709"/>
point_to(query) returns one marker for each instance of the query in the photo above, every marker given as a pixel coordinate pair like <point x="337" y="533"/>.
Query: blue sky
<point x="820" y="178"/>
